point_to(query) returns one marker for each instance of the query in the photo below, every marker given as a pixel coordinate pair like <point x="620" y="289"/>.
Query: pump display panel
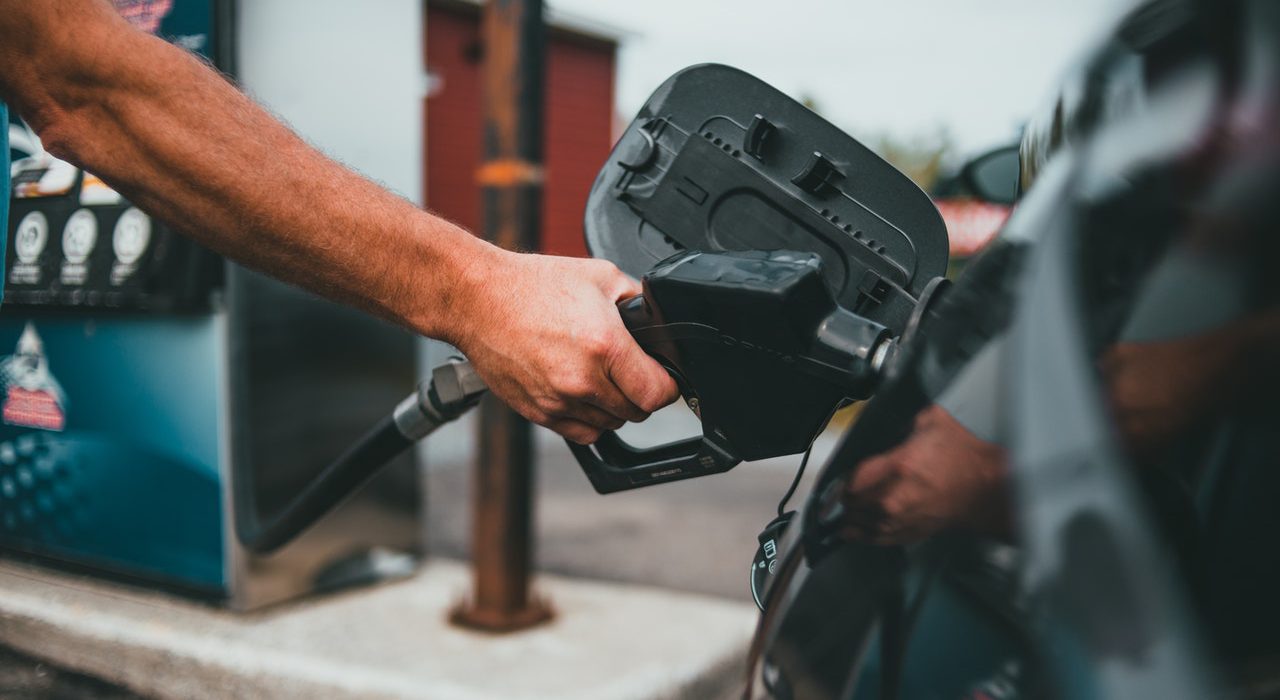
<point x="75" y="242"/>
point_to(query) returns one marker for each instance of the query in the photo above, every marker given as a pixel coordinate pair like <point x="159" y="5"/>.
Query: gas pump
<point x="154" y="393"/>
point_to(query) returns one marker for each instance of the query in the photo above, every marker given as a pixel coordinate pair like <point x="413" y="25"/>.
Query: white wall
<point x="347" y="75"/>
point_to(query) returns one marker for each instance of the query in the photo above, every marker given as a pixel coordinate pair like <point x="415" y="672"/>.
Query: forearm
<point x="175" y="138"/>
<point x="171" y="135"/>
<point x="1159" y="390"/>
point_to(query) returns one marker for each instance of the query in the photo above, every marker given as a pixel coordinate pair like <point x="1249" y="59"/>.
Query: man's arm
<point x="941" y="476"/>
<point x="1160" y="390"/>
<point x="182" y="143"/>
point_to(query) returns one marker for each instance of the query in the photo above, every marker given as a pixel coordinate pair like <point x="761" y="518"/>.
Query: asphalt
<point x="697" y="535"/>
<point x="25" y="678"/>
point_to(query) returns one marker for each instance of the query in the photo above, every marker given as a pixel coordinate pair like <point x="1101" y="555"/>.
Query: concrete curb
<point x="609" y="641"/>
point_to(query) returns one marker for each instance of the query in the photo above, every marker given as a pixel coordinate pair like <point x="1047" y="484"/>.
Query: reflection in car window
<point x="1188" y="373"/>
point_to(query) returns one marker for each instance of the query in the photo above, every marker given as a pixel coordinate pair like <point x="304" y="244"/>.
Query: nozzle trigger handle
<point x="611" y="464"/>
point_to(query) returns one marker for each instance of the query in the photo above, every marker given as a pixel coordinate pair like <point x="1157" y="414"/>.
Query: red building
<point x="579" y="120"/>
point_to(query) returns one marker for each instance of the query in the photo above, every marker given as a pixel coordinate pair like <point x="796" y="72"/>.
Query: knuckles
<point x="598" y="344"/>
<point x="578" y="388"/>
<point x="539" y="417"/>
<point x="583" y="436"/>
<point x="649" y="402"/>
<point x="553" y="406"/>
<point x="891" y="508"/>
<point x="608" y="272"/>
<point x="659" y="391"/>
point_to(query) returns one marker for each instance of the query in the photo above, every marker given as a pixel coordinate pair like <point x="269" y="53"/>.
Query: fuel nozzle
<point x="454" y="388"/>
<point x="858" y="346"/>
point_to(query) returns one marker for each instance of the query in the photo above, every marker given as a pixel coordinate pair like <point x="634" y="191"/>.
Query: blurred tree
<point x="921" y="158"/>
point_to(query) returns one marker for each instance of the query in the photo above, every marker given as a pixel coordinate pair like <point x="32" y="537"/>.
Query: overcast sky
<point x="978" y="68"/>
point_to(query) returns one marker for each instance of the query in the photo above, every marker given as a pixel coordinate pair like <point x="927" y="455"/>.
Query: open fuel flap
<point x="781" y="260"/>
<point x="717" y="160"/>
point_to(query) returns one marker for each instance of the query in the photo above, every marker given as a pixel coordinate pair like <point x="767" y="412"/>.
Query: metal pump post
<point x="511" y="182"/>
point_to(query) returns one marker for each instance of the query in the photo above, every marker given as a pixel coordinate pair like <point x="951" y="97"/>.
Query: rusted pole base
<point x="501" y="599"/>
<point x="535" y="612"/>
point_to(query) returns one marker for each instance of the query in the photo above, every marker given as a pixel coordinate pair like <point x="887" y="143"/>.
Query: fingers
<point x="873" y="473"/>
<point x="594" y="417"/>
<point x="868" y="517"/>
<point x="608" y="398"/>
<point x="578" y="422"/>
<point x="582" y="399"/>
<point x="590" y="396"/>
<point x="574" y="430"/>
<point x="641" y="379"/>
<point x="570" y="364"/>
<point x="881" y="521"/>
<point x="640" y="385"/>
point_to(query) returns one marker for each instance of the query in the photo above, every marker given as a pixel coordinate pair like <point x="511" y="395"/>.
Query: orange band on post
<point x="508" y="172"/>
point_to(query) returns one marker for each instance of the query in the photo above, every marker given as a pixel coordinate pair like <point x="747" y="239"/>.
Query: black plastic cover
<point x="717" y="160"/>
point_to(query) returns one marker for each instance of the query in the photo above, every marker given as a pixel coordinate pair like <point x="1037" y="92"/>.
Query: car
<point x="1116" y="341"/>
<point x="976" y="199"/>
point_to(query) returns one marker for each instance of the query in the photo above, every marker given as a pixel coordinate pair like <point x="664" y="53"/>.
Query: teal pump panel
<point x="109" y="450"/>
<point x="112" y="368"/>
<point x="145" y="383"/>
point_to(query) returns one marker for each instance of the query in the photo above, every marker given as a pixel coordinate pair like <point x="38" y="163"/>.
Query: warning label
<point x="33" y="409"/>
<point x="32" y="397"/>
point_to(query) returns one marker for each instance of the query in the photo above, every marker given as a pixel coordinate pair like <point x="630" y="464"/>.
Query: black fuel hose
<point x="453" y="389"/>
<point x="339" y="480"/>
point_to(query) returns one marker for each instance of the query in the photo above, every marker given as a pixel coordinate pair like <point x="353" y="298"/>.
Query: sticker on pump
<point x="93" y="191"/>
<point x="78" y="239"/>
<point x="32" y="396"/>
<point x="42" y="176"/>
<point x="29" y="242"/>
<point x="129" y="240"/>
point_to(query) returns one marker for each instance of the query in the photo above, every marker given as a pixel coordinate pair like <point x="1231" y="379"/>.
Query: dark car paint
<point x="1150" y="123"/>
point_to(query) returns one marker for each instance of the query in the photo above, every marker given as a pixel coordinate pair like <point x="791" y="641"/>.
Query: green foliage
<point x="921" y="158"/>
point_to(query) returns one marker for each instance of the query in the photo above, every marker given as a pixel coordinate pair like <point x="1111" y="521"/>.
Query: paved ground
<point x="697" y="535"/>
<point x="388" y="642"/>
<point x="25" y="678"/>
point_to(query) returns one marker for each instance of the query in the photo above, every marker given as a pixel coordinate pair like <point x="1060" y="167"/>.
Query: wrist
<point x="461" y="268"/>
